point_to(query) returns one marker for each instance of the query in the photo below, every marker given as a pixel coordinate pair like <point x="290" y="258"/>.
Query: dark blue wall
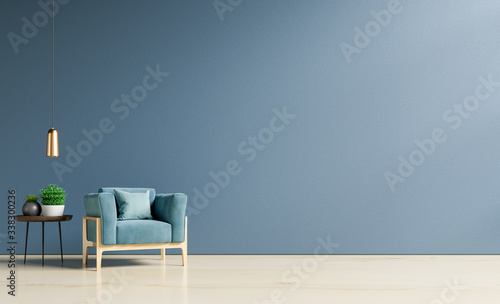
<point x="390" y="144"/>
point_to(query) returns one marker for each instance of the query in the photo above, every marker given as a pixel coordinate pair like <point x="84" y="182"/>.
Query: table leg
<point x="43" y="243"/>
<point x="26" y="243"/>
<point x="60" y="243"/>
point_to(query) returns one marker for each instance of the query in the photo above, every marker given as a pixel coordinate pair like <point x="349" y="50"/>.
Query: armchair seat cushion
<point x="143" y="232"/>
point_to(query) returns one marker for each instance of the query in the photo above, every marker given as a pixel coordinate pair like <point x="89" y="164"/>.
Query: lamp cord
<point x="53" y="17"/>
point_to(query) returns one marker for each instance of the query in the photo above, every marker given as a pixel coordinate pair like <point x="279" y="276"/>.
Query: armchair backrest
<point x="152" y="192"/>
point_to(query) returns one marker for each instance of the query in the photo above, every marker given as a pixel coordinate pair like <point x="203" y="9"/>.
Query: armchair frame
<point x="100" y="248"/>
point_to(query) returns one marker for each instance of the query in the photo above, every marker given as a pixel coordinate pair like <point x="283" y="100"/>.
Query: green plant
<point x="53" y="195"/>
<point x="31" y="199"/>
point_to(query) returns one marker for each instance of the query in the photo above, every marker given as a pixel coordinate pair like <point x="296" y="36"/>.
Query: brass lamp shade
<point x="52" y="143"/>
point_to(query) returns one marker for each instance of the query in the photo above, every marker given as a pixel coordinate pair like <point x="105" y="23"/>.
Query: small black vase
<point x="32" y="209"/>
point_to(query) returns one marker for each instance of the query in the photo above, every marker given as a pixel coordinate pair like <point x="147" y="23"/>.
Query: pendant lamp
<point x="52" y="135"/>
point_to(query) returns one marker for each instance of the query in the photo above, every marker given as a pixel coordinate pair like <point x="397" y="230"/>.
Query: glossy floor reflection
<point x="257" y="279"/>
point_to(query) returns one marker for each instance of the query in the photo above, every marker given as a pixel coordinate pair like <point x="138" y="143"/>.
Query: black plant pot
<point x="32" y="209"/>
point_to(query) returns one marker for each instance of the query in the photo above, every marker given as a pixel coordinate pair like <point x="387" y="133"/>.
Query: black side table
<point x="43" y="219"/>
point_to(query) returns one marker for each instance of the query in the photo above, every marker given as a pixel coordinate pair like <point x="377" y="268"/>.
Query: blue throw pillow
<point x="133" y="206"/>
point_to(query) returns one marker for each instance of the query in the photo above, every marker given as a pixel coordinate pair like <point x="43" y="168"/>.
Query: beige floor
<point x="258" y="280"/>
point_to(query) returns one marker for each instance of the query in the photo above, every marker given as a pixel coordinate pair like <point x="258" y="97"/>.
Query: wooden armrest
<point x="91" y="218"/>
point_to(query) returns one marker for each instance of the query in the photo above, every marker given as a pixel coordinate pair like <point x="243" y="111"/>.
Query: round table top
<point x="43" y="218"/>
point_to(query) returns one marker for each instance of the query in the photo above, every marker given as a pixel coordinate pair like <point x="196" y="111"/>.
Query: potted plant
<point x="53" y="198"/>
<point x="31" y="206"/>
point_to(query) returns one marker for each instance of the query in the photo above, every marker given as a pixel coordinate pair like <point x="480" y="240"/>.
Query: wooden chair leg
<point x="98" y="250"/>
<point x="85" y="254"/>
<point x="98" y="257"/>
<point x="162" y="253"/>
<point x="184" y="247"/>
<point x="184" y="255"/>
<point x="85" y="248"/>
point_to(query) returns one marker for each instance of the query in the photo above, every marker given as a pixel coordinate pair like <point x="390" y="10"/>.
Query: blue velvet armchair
<point x="104" y="230"/>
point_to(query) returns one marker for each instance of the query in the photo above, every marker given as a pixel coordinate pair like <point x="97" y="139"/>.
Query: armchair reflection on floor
<point x="134" y="219"/>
